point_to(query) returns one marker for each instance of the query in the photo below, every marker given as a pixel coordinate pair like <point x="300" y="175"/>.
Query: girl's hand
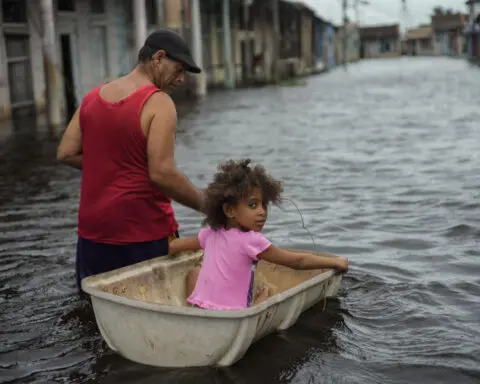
<point x="302" y="260"/>
<point x="341" y="264"/>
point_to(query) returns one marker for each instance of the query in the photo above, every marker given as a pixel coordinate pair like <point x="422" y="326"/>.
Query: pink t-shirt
<point x="226" y="277"/>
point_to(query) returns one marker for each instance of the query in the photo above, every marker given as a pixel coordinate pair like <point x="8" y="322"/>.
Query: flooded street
<point x="383" y="162"/>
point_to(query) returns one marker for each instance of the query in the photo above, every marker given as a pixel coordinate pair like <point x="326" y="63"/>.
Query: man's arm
<point x="160" y="154"/>
<point x="70" y="149"/>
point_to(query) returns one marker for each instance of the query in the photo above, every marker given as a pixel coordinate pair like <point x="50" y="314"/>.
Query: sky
<point x="385" y="11"/>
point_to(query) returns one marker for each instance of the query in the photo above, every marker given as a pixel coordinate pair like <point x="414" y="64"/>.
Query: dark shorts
<point x="94" y="258"/>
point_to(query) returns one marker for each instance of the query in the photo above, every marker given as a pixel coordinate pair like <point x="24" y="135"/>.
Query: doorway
<point x="362" y="50"/>
<point x="68" y="77"/>
<point x="247" y="48"/>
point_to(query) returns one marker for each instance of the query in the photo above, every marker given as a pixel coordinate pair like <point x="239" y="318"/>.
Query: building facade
<point x="419" y="42"/>
<point x="92" y="42"/>
<point x="380" y="41"/>
<point x="448" y="37"/>
<point x="472" y="30"/>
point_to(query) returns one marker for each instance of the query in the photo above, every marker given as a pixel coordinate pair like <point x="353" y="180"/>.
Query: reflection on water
<point x="382" y="161"/>
<point x="262" y="364"/>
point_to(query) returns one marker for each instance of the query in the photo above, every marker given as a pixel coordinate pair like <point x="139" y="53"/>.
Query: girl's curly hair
<point x="233" y="183"/>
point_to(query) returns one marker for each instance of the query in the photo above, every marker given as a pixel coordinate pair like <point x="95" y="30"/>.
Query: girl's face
<point x="249" y="214"/>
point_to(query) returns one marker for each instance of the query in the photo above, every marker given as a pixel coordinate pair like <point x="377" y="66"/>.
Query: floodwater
<point x="383" y="161"/>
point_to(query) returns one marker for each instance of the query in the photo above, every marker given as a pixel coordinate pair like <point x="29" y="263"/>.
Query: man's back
<point x="119" y="204"/>
<point x="122" y="138"/>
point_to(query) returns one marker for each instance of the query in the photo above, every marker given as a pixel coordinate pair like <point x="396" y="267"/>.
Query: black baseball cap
<point x="174" y="46"/>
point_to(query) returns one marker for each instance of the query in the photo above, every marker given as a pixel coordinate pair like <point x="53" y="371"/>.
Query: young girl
<point x="236" y="208"/>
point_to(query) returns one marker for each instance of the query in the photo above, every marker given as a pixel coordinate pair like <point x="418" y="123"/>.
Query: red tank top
<point x="119" y="204"/>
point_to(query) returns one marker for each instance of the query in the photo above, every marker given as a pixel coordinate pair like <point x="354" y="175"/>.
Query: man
<point x="122" y="137"/>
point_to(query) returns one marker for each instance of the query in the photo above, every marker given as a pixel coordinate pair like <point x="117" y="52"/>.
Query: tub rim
<point x="199" y="312"/>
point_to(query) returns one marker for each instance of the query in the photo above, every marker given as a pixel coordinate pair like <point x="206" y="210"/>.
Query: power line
<point x="369" y="5"/>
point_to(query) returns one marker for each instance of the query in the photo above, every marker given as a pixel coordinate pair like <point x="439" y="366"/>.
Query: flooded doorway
<point x="67" y="73"/>
<point x="247" y="48"/>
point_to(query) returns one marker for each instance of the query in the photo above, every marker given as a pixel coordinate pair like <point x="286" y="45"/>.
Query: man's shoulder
<point x="161" y="97"/>
<point x="161" y="102"/>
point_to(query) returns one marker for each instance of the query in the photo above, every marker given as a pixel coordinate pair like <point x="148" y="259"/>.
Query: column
<point x="248" y="53"/>
<point x="201" y="78"/>
<point x="172" y="15"/>
<point x="139" y="23"/>
<point x="276" y="37"/>
<point x="51" y="64"/>
<point x="160" y="14"/>
<point x="227" y="41"/>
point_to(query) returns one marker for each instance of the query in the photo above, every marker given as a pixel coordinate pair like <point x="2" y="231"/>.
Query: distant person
<point x="236" y="205"/>
<point x="122" y="137"/>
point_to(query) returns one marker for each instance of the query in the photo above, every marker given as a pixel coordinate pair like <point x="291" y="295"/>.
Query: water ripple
<point x="384" y="171"/>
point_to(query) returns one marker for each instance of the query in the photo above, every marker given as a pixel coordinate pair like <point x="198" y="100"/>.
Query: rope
<point x="303" y="221"/>
<point x="314" y="246"/>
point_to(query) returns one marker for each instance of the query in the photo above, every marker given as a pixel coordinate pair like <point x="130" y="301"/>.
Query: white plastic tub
<point x="142" y="313"/>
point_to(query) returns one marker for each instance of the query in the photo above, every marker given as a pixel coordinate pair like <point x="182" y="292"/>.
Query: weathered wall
<point x="372" y="49"/>
<point x="84" y="29"/>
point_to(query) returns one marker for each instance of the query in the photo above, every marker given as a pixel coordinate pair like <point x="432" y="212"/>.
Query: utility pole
<point x="140" y="23"/>
<point x="357" y="8"/>
<point x="405" y="26"/>
<point x="357" y="12"/>
<point x="345" y="22"/>
<point x="404" y="14"/>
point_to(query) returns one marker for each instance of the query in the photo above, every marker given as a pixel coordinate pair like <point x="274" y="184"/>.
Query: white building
<point x="92" y="41"/>
<point x="86" y="47"/>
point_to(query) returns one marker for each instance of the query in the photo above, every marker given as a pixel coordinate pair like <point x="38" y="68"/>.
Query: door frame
<point x="13" y="31"/>
<point x="72" y="32"/>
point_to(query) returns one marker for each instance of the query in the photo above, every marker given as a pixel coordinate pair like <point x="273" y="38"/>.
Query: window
<point x="66" y="5"/>
<point x="17" y="46"/>
<point x="425" y="44"/>
<point x="19" y="70"/>
<point x="14" y="11"/>
<point x="385" y="46"/>
<point x="97" y="6"/>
